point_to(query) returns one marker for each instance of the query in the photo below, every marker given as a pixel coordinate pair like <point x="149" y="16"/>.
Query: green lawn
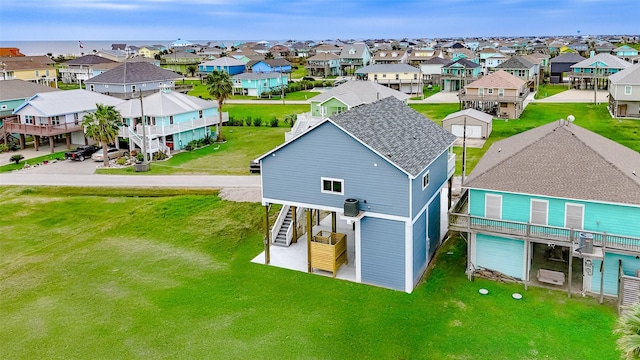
<point x="33" y="161"/>
<point x="265" y="111"/>
<point x="231" y="158"/>
<point x="103" y="273"/>
<point x="298" y="73"/>
<point x="545" y="91"/>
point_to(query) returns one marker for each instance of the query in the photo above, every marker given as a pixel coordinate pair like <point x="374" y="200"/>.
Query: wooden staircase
<point x="281" y="237"/>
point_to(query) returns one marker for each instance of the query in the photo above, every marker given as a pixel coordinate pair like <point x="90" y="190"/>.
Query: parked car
<point x="81" y="152"/>
<point x="112" y="153"/>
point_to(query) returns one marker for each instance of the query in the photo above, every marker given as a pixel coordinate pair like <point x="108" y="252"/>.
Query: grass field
<point x="230" y="158"/>
<point x="112" y="274"/>
<point x="545" y="91"/>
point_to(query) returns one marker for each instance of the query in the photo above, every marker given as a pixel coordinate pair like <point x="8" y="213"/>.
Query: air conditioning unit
<point x="586" y="243"/>
<point x="351" y="207"/>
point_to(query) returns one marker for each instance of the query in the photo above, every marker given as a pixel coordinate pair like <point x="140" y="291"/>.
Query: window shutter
<point x="493" y="204"/>
<point x="573" y="216"/>
<point x="539" y="212"/>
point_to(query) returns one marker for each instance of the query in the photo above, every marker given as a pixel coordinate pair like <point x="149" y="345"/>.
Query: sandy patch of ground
<point x="252" y="194"/>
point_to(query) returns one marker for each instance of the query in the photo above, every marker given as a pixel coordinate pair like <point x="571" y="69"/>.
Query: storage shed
<point x="478" y="124"/>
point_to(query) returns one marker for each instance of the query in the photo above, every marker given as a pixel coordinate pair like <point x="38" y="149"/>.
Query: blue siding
<point x="611" y="218"/>
<point x="419" y="247"/>
<point x="434" y="225"/>
<point x="437" y="178"/>
<point x="500" y="254"/>
<point x="383" y="252"/>
<point x="293" y="173"/>
<point x="629" y="266"/>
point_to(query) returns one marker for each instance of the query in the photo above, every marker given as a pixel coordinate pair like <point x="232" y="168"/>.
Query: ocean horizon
<point x="72" y="47"/>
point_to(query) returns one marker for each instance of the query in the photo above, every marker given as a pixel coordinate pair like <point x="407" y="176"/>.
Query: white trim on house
<point x="408" y="257"/>
<point x="532" y="211"/>
<point x="358" y="252"/>
<point x="425" y="176"/>
<point x="490" y="209"/>
<point x="332" y="183"/>
<point x="566" y="215"/>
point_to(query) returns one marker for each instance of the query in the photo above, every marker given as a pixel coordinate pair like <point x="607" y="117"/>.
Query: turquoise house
<point x="625" y="51"/>
<point x="380" y="172"/>
<point x="255" y="84"/>
<point x="173" y="120"/>
<point x="556" y="206"/>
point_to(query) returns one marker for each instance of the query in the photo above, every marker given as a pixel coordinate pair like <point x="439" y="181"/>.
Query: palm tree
<point x="102" y="125"/>
<point x="628" y="325"/>
<point x="220" y="88"/>
<point x="192" y="69"/>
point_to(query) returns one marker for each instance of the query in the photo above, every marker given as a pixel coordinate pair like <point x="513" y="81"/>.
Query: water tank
<point x="351" y="207"/>
<point x="586" y="242"/>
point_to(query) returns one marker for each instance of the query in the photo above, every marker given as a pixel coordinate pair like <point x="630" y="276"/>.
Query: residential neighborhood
<point x="431" y="178"/>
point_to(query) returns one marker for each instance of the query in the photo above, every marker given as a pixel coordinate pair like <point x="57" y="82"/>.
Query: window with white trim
<point x="425" y="180"/>
<point x="489" y="91"/>
<point x="480" y="91"/>
<point x="493" y="206"/>
<point x="500" y="92"/>
<point x="539" y="212"/>
<point x="574" y="216"/>
<point x="627" y="90"/>
<point x="332" y="186"/>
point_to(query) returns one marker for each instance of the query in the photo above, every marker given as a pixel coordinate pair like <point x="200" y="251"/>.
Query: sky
<point x="22" y="20"/>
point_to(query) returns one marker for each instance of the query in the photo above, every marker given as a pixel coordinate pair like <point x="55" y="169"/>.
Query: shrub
<point x="159" y="156"/>
<point x="121" y="161"/>
<point x="248" y="121"/>
<point x="257" y="121"/>
<point x="139" y="157"/>
<point x="16" y="158"/>
<point x="13" y="146"/>
<point x="274" y="122"/>
<point x="3" y="148"/>
<point x="207" y="139"/>
<point x="290" y="119"/>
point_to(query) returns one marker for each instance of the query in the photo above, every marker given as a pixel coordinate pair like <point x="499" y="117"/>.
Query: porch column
<point x="604" y="255"/>
<point x="527" y="256"/>
<point x="570" y="268"/>
<point x="68" y="140"/>
<point x="294" y="222"/>
<point x="22" y="140"/>
<point x="450" y="192"/>
<point x="51" y="144"/>
<point x="318" y="217"/>
<point x="36" y="141"/>
<point x="267" y="241"/>
<point x="309" y="231"/>
<point x="333" y="221"/>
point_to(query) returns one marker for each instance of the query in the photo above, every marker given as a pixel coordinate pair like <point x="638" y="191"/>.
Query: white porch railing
<point x="303" y="122"/>
<point x="164" y="130"/>
<point x="451" y="165"/>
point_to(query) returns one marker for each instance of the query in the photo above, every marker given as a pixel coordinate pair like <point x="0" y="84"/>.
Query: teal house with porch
<point x="255" y="84"/>
<point x="381" y="171"/>
<point x="556" y="206"/>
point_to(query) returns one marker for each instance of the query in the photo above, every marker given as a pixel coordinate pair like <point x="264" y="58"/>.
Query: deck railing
<point x="13" y="125"/>
<point x="460" y="220"/>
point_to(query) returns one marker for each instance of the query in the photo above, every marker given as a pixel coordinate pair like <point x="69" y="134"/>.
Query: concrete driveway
<point x="65" y="167"/>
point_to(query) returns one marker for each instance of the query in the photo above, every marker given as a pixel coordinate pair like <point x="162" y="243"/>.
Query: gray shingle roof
<point x="88" y="60"/>
<point x="354" y="93"/>
<point x="132" y="73"/>
<point x="516" y="62"/>
<point x="628" y="76"/>
<point x="19" y="89"/>
<point x="610" y="60"/>
<point x="560" y="161"/>
<point x="567" y="58"/>
<point x="358" y="51"/>
<point x="398" y="68"/>
<point x="467" y="64"/>
<point x="400" y="134"/>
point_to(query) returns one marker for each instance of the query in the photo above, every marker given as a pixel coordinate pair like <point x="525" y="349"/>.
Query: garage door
<point x="473" y="131"/>
<point x="252" y="92"/>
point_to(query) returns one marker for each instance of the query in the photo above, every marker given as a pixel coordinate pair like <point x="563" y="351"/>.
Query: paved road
<point x="170" y="181"/>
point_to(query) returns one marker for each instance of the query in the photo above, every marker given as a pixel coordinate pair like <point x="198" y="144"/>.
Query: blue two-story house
<point x="227" y="64"/>
<point x="269" y="66"/>
<point x="556" y="206"/>
<point x="381" y="170"/>
<point x="173" y="120"/>
<point x="255" y="84"/>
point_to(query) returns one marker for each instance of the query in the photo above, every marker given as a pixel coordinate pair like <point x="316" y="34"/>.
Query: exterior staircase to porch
<point x="282" y="231"/>
<point x="153" y="145"/>
<point x="281" y="237"/>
